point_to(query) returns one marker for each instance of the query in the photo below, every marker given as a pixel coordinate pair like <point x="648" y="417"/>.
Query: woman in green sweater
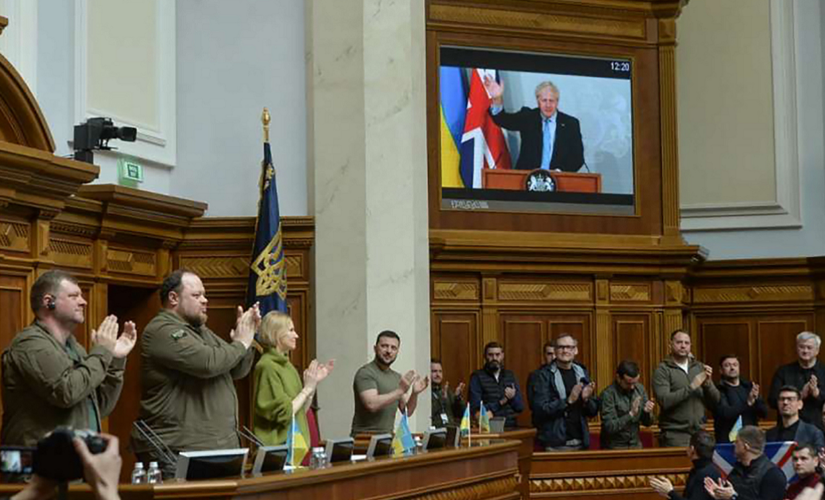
<point x="278" y="391"/>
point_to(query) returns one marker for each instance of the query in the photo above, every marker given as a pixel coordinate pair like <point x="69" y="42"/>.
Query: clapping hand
<point x="649" y="405"/>
<point x="126" y="341"/>
<point x="721" y="490"/>
<point x="661" y="485"/>
<point x="588" y="390"/>
<point x="459" y="390"/>
<point x="407" y="381"/>
<point x="753" y="395"/>
<point x="420" y="384"/>
<point x="635" y="405"/>
<point x="575" y="392"/>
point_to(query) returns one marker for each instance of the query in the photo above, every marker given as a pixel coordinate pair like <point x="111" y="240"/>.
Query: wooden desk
<point x="483" y="471"/>
<point x="525" y="453"/>
<point x="620" y="474"/>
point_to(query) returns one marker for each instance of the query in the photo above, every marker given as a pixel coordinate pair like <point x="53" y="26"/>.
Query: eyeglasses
<point x="560" y="347"/>
<point x="792" y="398"/>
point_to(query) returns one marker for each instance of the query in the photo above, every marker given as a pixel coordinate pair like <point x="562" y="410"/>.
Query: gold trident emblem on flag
<point x="271" y="269"/>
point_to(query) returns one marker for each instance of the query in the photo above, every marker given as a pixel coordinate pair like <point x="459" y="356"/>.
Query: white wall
<point x="809" y="238"/>
<point x="234" y="59"/>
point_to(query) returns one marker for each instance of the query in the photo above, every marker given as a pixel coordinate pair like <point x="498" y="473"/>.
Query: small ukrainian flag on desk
<point x="403" y="442"/>
<point x="464" y="428"/>
<point x="296" y="444"/>
<point x="483" y="419"/>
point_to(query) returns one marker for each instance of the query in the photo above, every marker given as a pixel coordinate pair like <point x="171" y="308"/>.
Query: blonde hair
<point x="547" y="85"/>
<point x="273" y="325"/>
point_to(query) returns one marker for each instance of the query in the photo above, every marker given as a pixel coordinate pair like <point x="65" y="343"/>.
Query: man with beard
<point x="739" y="398"/>
<point x="700" y="452"/>
<point x="48" y="378"/>
<point x="754" y="476"/>
<point x="496" y="386"/>
<point x="806" y="466"/>
<point x="791" y="427"/>
<point x="563" y="399"/>
<point x="187" y="382"/>
<point x="807" y="374"/>
<point x="379" y="390"/>
<point x="682" y="387"/>
<point x="447" y="406"/>
<point x="624" y="406"/>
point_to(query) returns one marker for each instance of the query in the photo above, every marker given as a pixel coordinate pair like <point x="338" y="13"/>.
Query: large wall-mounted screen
<point x="535" y="132"/>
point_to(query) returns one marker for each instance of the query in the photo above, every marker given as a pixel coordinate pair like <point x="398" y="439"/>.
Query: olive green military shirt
<point x="47" y="384"/>
<point x="188" y="392"/>
<point x="371" y="376"/>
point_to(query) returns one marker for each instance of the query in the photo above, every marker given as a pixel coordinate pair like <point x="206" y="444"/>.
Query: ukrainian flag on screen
<point x="453" y="111"/>
<point x="483" y="419"/>
<point x="296" y="445"/>
<point x="403" y="442"/>
<point x="464" y="429"/>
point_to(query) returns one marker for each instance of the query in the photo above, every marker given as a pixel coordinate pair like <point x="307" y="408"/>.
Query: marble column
<point x="367" y="177"/>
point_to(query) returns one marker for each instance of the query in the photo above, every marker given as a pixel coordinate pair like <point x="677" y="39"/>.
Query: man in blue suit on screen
<point x="550" y="139"/>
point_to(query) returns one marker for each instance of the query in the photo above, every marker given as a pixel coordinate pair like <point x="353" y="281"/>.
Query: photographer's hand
<point x="102" y="470"/>
<point x="39" y="488"/>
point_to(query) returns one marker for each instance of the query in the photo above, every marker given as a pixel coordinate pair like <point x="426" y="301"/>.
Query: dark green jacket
<point x="187" y="385"/>
<point x="619" y="428"/>
<point x="44" y="388"/>
<point x="682" y="409"/>
<point x="446" y="404"/>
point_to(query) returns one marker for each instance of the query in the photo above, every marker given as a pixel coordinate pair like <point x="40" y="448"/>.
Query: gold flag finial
<point x="265" y="118"/>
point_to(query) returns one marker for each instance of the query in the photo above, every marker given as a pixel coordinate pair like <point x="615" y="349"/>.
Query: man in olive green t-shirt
<point x="379" y="390"/>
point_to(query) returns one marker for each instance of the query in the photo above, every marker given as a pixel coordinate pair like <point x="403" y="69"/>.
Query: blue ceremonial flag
<point x="267" y="275"/>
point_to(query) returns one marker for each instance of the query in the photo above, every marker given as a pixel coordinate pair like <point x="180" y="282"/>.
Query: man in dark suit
<point x="550" y="139"/>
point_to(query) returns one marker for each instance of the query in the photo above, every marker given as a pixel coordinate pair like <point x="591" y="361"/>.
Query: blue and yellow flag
<point x="464" y="428"/>
<point x="483" y="419"/>
<point x="403" y="442"/>
<point x="734" y="432"/>
<point x="296" y="444"/>
<point x="453" y="112"/>
<point x="267" y="275"/>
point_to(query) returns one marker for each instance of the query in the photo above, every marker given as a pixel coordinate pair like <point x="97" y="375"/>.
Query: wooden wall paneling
<point x="455" y="340"/>
<point x="722" y="336"/>
<point x="523" y="337"/>
<point x="15" y="311"/>
<point x="633" y="341"/>
<point x="140" y="305"/>
<point x="776" y="336"/>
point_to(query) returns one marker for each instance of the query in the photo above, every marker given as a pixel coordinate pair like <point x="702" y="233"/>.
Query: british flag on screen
<point x="482" y="144"/>
<point x="779" y="453"/>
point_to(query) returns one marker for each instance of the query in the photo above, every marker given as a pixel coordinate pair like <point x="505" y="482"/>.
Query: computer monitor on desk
<point x="380" y="446"/>
<point x="435" y="439"/>
<point x="339" y="450"/>
<point x="270" y="459"/>
<point x="211" y="464"/>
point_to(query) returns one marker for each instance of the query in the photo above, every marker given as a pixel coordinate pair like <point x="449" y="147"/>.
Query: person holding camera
<point x="49" y="380"/>
<point x="101" y="471"/>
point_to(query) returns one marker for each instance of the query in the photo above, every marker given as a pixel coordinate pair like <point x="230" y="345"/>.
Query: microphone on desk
<point x="163" y="451"/>
<point x="250" y="436"/>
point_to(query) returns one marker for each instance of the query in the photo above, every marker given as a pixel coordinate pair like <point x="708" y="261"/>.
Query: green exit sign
<point x="130" y="173"/>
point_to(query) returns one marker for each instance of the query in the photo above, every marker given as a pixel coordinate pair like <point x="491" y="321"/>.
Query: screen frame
<point x="647" y="217"/>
